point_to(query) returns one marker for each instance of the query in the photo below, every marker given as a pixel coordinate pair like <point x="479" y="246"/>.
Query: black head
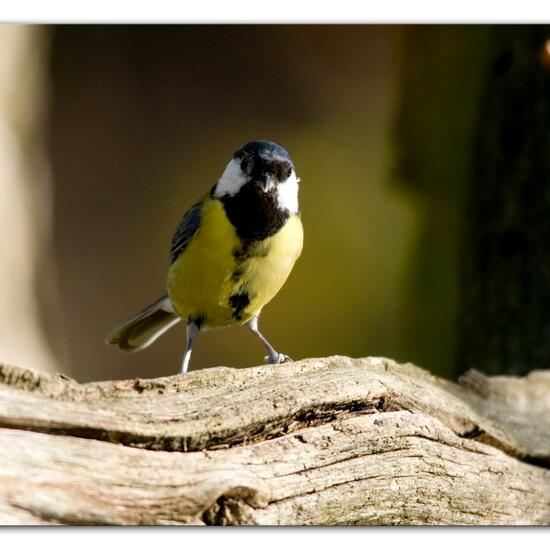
<point x="259" y="189"/>
<point x="265" y="158"/>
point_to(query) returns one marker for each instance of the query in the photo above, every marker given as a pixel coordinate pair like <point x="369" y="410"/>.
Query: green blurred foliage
<point x="442" y="73"/>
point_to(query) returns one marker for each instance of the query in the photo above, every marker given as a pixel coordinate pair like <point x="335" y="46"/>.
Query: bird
<point x="230" y="255"/>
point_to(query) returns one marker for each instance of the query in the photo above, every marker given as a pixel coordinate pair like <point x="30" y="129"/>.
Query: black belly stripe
<point x="247" y="250"/>
<point x="256" y="216"/>
<point x="237" y="274"/>
<point x="238" y="303"/>
<point x="250" y="249"/>
<point x="198" y="320"/>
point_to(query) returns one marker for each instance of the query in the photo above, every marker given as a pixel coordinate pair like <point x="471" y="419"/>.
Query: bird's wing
<point x="185" y="231"/>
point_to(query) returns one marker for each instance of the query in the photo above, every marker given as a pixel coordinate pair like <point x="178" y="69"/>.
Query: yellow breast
<point x="219" y="281"/>
<point x="270" y="264"/>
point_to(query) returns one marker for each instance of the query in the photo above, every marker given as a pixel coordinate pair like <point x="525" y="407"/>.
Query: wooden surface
<point x="319" y="441"/>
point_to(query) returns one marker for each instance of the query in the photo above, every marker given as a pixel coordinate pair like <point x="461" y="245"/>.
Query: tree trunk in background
<point x="505" y="262"/>
<point x="26" y="274"/>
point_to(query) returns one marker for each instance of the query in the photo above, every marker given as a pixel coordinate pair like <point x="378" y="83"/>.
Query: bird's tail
<point x="144" y="328"/>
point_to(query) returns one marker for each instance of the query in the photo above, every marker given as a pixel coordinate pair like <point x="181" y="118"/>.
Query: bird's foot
<point x="275" y="358"/>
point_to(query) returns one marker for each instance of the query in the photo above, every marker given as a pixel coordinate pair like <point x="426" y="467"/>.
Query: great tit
<point x="231" y="253"/>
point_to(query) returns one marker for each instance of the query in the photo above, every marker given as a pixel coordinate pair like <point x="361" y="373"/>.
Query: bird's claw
<point x="276" y="358"/>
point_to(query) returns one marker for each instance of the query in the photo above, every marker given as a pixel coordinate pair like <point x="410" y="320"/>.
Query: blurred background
<point x="423" y="153"/>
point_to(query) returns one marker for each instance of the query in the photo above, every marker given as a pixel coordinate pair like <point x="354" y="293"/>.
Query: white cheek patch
<point x="287" y="194"/>
<point x="232" y="179"/>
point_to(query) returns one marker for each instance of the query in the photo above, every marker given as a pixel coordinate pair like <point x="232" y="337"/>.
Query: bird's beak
<point x="265" y="183"/>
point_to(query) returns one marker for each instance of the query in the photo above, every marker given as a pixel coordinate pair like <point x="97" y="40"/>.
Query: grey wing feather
<point x="185" y="231"/>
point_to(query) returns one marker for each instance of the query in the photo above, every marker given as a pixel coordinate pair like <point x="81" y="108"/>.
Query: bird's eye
<point x="245" y="166"/>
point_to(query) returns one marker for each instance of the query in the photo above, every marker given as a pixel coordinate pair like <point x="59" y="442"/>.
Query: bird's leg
<point x="192" y="333"/>
<point x="273" y="357"/>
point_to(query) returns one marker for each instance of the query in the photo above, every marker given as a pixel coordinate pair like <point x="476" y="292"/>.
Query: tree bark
<point x="505" y="261"/>
<point x="320" y="441"/>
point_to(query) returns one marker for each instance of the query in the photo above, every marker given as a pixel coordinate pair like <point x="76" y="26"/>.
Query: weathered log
<point x="319" y="441"/>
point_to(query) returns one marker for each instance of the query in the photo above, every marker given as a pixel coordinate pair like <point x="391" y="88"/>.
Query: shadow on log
<point x="319" y="441"/>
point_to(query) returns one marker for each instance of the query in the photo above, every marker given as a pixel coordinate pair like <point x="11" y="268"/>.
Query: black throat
<point x="255" y="214"/>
